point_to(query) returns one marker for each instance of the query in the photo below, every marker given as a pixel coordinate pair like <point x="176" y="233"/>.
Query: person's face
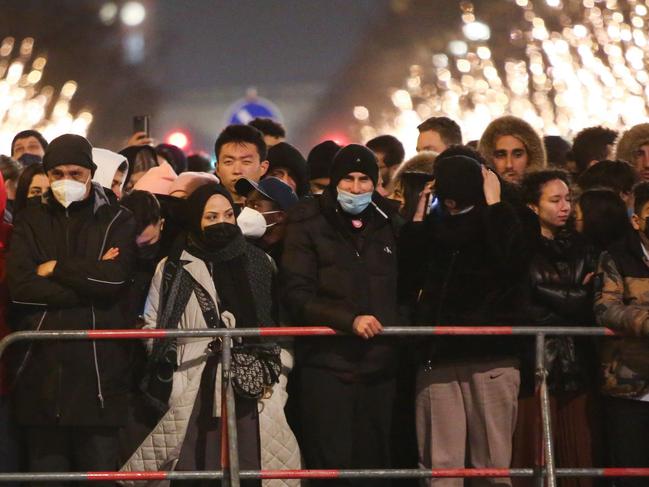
<point x="150" y="235"/>
<point x="639" y="222"/>
<point x="430" y="140"/>
<point x="510" y="158"/>
<point x="238" y="160"/>
<point x="39" y="185"/>
<point x="28" y="145"/>
<point x="356" y="183"/>
<point x="553" y="208"/>
<point x="641" y="161"/>
<point x="384" y="171"/>
<point x="73" y="173"/>
<point x="116" y="185"/>
<point x="579" y="218"/>
<point x="271" y="140"/>
<point x="318" y="185"/>
<point x="217" y="210"/>
<point x="269" y="209"/>
<point x="284" y="174"/>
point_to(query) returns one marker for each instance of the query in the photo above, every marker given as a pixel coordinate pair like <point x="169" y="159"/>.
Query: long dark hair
<point x="605" y="216"/>
<point x="24" y="181"/>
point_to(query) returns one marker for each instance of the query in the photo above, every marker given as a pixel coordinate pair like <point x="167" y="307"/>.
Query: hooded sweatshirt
<point x="107" y="164"/>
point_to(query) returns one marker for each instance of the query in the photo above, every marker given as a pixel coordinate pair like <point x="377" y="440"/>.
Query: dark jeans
<point x="72" y="449"/>
<point x="627" y="430"/>
<point x="345" y="424"/>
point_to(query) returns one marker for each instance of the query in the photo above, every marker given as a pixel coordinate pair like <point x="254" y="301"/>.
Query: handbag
<point x="254" y="369"/>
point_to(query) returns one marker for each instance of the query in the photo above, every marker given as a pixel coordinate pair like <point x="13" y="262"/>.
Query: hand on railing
<point x="367" y="326"/>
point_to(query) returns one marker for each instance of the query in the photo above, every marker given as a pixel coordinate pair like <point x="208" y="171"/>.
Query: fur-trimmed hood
<point x="635" y="137"/>
<point x="519" y="128"/>
<point x="421" y="163"/>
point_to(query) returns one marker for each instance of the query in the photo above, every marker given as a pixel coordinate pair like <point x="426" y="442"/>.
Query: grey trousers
<point x="465" y="416"/>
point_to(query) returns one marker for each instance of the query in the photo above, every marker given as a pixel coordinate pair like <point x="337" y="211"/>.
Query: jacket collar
<point x="197" y="268"/>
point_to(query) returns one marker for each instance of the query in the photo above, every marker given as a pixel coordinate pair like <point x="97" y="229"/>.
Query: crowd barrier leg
<point x="232" y="469"/>
<point x="541" y="378"/>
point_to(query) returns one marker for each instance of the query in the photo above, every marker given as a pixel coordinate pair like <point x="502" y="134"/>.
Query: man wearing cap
<point x="462" y="265"/>
<point x="71" y="257"/>
<point x="339" y="269"/>
<point x="272" y="198"/>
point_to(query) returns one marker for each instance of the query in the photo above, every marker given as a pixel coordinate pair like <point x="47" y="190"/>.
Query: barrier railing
<point x="231" y="474"/>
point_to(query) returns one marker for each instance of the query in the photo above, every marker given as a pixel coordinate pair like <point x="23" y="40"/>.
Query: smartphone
<point x="141" y="124"/>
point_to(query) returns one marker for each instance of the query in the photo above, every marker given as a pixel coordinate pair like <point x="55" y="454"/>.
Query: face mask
<point x="67" y="191"/>
<point x="29" y="159"/>
<point x="252" y="223"/>
<point x="219" y="235"/>
<point x="148" y="252"/>
<point x="271" y="213"/>
<point x="354" y="203"/>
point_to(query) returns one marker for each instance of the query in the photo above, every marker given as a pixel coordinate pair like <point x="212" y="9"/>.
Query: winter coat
<point x="466" y="269"/>
<point x="622" y="303"/>
<point x="632" y="140"/>
<point x="519" y="128"/>
<point x="5" y="235"/>
<point x="558" y="297"/>
<point x="161" y="449"/>
<point x="329" y="276"/>
<point x="72" y="383"/>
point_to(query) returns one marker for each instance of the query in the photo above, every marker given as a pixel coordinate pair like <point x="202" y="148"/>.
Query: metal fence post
<point x="231" y="413"/>
<point x="541" y="377"/>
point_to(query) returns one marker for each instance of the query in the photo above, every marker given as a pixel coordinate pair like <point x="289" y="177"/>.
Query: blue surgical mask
<point x="354" y="203"/>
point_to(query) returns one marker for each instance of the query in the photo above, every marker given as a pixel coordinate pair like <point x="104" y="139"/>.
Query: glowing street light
<point x="132" y="14"/>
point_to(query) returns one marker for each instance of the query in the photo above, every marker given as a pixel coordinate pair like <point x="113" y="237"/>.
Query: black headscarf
<point x="229" y="265"/>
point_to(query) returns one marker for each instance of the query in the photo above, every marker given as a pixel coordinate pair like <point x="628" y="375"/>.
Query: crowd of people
<point x="513" y="229"/>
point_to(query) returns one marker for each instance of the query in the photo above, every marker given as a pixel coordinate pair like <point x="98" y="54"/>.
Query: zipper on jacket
<point x="59" y="386"/>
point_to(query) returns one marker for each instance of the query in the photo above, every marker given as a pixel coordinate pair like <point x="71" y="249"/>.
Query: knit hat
<point x="69" y="149"/>
<point x="354" y="158"/>
<point x="286" y="156"/>
<point x="459" y="178"/>
<point x="157" y="180"/>
<point x="188" y="182"/>
<point x="320" y="158"/>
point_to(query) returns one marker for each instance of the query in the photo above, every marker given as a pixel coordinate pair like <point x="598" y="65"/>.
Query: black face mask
<point x="219" y="235"/>
<point x="148" y="252"/>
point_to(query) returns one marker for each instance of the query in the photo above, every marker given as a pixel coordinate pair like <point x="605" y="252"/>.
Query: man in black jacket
<point x="70" y="258"/>
<point x="464" y="265"/>
<point x="339" y="269"/>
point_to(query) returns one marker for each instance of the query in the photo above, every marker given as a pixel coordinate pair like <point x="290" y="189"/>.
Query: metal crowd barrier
<point x="545" y="472"/>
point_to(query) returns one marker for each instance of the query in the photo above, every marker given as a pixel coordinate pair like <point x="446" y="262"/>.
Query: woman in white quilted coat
<point x="212" y="278"/>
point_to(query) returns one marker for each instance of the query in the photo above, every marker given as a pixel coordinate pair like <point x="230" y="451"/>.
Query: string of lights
<point x="591" y="71"/>
<point x="27" y="104"/>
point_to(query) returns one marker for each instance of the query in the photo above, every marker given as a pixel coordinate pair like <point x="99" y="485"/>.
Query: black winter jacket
<point x="329" y="276"/>
<point x="463" y="270"/>
<point x="559" y="297"/>
<point x="71" y="382"/>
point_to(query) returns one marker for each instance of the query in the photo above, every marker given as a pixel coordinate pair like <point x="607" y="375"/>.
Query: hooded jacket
<point x="632" y="140"/>
<point x="328" y="277"/>
<point x="108" y="163"/>
<point x="519" y="128"/>
<point x="72" y="383"/>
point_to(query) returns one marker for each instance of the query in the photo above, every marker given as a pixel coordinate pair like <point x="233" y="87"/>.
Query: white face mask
<point x="252" y="223"/>
<point x="67" y="191"/>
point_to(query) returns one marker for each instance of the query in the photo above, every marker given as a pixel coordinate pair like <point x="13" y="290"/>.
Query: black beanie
<point x="320" y="158"/>
<point x="286" y="156"/>
<point x="354" y="158"/>
<point x="69" y="149"/>
<point x="459" y="178"/>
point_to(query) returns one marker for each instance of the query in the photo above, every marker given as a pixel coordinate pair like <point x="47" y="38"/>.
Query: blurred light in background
<point x="108" y="13"/>
<point x="178" y="138"/>
<point x="132" y="14"/>
<point x="476" y="31"/>
<point x="25" y="104"/>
